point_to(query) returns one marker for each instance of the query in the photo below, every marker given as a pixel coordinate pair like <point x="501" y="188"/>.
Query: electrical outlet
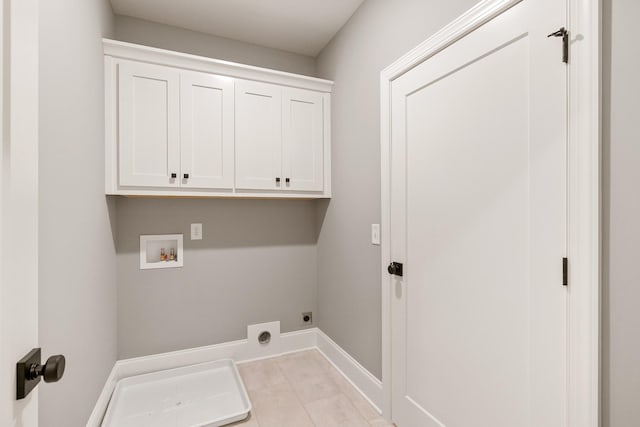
<point x="307" y="318"/>
<point x="196" y="231"/>
<point x="375" y="234"/>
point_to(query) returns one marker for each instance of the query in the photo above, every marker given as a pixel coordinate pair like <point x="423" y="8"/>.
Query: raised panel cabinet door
<point x="207" y="131"/>
<point x="302" y="139"/>
<point x="258" y="136"/>
<point x="149" y="124"/>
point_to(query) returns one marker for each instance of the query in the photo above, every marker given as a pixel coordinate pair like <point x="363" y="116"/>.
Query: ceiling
<point x="299" y="26"/>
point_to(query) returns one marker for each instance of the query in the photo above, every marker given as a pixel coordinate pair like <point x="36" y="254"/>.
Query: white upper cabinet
<point x="207" y="131"/>
<point x="258" y="136"/>
<point x="149" y="127"/>
<point x="183" y="125"/>
<point x="279" y="138"/>
<point x="302" y="140"/>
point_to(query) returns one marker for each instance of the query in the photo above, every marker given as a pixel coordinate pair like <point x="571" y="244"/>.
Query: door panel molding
<point x="583" y="249"/>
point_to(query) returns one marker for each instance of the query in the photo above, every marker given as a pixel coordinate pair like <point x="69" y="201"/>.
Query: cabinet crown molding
<point x="152" y="55"/>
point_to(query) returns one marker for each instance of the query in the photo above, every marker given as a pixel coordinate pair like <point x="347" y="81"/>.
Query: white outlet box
<point x="375" y="234"/>
<point x="196" y="231"/>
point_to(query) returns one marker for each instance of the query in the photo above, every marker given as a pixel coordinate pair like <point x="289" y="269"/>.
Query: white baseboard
<point x="240" y="351"/>
<point x="363" y="380"/>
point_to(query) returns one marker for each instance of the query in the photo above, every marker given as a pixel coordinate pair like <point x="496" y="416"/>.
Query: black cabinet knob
<point x="287" y="180"/>
<point x="277" y="179"/>
<point x="174" y="175"/>
<point x="186" y="176"/>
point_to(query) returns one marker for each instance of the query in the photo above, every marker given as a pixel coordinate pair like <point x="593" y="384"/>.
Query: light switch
<point x="375" y="234"/>
<point x="196" y="231"/>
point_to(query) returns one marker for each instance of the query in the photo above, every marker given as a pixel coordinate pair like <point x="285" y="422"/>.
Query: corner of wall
<point x="77" y="280"/>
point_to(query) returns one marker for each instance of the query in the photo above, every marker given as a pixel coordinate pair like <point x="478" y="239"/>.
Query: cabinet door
<point x="207" y="131"/>
<point x="303" y="138"/>
<point x="258" y="136"/>
<point x="149" y="120"/>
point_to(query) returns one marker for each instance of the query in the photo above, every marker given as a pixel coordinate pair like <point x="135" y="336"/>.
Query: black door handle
<point x="52" y="371"/>
<point x="395" y="268"/>
<point x="29" y="371"/>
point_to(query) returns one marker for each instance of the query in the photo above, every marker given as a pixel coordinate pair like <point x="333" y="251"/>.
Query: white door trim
<point x="584" y="207"/>
<point x="583" y="194"/>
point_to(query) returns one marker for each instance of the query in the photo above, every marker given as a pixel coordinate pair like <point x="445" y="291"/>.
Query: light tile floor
<point x="303" y="389"/>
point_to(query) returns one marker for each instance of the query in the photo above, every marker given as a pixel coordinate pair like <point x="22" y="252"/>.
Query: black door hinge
<point x="562" y="32"/>
<point x="565" y="272"/>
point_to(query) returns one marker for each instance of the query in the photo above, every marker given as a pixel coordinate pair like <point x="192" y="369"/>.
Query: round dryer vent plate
<point x="264" y="337"/>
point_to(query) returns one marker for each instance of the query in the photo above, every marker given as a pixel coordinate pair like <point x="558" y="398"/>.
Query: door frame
<point x="583" y="186"/>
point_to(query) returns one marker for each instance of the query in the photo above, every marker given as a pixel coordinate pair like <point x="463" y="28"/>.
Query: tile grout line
<point x="340" y="393"/>
<point x="334" y="369"/>
<point x="295" y="392"/>
<point x="277" y="360"/>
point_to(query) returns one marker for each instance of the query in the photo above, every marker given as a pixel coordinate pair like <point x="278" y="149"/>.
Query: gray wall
<point x="256" y="263"/>
<point x="621" y="232"/>
<point x="258" y="258"/>
<point x="377" y="34"/>
<point x="77" y="266"/>
<point x="163" y="36"/>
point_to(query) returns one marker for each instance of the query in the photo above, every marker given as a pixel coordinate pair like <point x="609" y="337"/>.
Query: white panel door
<point x="478" y="217"/>
<point x="149" y="124"/>
<point x="258" y="136"/>
<point x="207" y="130"/>
<point x="302" y="139"/>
